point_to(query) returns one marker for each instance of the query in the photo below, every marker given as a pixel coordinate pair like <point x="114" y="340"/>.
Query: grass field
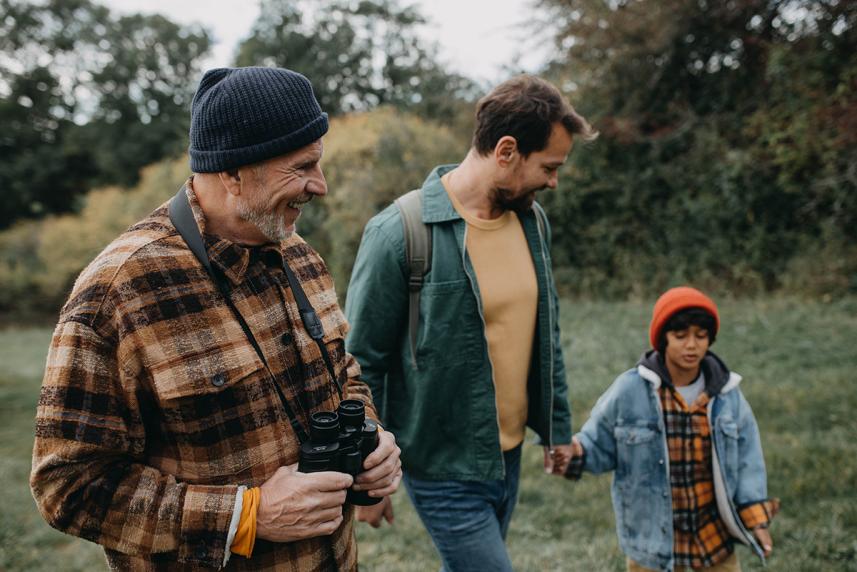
<point x="799" y="362"/>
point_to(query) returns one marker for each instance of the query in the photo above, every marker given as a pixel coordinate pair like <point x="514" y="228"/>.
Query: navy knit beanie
<point x="241" y="116"/>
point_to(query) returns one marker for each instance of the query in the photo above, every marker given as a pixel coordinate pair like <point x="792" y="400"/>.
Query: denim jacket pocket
<point x="727" y="433"/>
<point x="635" y="452"/>
<point x="638" y="450"/>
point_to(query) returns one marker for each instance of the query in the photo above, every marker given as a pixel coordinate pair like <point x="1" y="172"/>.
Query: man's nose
<point x="317" y="184"/>
<point x="553" y="181"/>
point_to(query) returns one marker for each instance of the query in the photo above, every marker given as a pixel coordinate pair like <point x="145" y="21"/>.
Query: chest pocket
<point x="446" y="335"/>
<point x="728" y="437"/>
<point x="636" y="452"/>
<point x="217" y="414"/>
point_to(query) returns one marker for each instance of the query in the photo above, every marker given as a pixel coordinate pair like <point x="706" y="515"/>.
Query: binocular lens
<point x="324" y="427"/>
<point x="352" y="412"/>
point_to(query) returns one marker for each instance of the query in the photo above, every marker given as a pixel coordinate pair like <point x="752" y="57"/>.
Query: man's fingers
<point x="331" y="481"/>
<point x="329" y="527"/>
<point x="386" y="447"/>
<point x="386" y="480"/>
<point x="388" y="510"/>
<point x="374" y="478"/>
<point x="548" y="460"/>
<point x="331" y="499"/>
<point x="388" y="490"/>
<point x="324" y="515"/>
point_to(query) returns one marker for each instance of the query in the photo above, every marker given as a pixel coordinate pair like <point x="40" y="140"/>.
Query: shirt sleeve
<point x="759" y="514"/>
<point x="376" y="308"/>
<point x="89" y="477"/>
<point x="575" y="467"/>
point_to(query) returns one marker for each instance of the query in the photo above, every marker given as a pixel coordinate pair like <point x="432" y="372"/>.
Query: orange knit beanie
<point x="675" y="300"/>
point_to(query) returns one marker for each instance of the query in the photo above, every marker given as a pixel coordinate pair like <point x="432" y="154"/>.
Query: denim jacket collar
<point x="651" y="370"/>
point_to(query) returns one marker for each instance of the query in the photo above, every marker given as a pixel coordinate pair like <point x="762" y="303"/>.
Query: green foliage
<point x="87" y="99"/>
<point x="798" y="376"/>
<point x="39" y="260"/>
<point x="728" y="144"/>
<point x="358" y="55"/>
<point x="370" y="159"/>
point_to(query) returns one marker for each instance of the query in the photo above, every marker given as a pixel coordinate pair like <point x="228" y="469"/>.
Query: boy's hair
<point x="525" y="107"/>
<point x="685" y="319"/>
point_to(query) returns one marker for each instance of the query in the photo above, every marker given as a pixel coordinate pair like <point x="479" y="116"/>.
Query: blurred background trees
<point x="728" y="151"/>
<point x="88" y="99"/>
<point x="726" y="158"/>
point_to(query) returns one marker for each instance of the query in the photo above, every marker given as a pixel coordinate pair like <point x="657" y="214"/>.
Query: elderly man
<point x="180" y="382"/>
<point x="464" y="368"/>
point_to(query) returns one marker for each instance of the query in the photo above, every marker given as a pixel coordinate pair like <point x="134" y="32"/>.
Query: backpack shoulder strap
<point x="417" y="257"/>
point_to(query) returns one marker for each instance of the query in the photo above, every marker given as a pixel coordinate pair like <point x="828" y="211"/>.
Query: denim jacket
<point x="625" y="434"/>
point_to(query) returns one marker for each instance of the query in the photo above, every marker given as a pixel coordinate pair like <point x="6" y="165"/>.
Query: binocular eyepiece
<point x="340" y="441"/>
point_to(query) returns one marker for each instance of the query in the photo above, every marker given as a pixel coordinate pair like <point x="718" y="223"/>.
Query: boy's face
<point x="686" y="348"/>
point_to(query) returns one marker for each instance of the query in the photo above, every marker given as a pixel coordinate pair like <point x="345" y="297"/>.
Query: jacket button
<point x="666" y="495"/>
<point x="286" y="339"/>
<point x="660" y="461"/>
<point x="218" y="380"/>
<point x="201" y="552"/>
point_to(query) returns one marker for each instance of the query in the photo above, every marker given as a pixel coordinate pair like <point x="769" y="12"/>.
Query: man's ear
<point x="506" y="151"/>
<point x="231" y="181"/>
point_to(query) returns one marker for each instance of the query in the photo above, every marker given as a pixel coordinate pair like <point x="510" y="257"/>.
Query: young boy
<point x="689" y="474"/>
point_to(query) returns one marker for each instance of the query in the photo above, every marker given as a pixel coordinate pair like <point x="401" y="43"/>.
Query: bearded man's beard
<point x="269" y="223"/>
<point x="507" y="201"/>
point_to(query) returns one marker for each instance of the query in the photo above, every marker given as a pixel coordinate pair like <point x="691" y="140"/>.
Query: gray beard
<point x="269" y="223"/>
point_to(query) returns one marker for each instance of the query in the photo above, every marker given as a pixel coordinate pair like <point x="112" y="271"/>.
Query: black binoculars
<point x="340" y="441"/>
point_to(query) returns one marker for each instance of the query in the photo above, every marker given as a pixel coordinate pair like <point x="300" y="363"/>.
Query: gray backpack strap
<point x="417" y="257"/>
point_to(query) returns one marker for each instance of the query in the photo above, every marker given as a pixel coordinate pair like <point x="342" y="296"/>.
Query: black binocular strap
<point x="311" y="322"/>
<point x="181" y="216"/>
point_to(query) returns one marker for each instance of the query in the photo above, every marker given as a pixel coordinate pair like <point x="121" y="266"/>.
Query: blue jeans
<point x="468" y="520"/>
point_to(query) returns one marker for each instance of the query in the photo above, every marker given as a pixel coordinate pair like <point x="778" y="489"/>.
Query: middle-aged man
<point x="484" y="359"/>
<point x="169" y="419"/>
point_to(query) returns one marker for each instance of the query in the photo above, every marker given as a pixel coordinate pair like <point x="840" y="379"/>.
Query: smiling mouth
<point x="299" y="203"/>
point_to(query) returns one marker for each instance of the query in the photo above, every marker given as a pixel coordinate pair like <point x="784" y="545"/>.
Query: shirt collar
<point x="230" y="258"/>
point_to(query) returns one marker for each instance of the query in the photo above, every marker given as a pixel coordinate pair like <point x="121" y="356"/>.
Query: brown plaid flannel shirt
<point x="155" y="406"/>
<point x="700" y="538"/>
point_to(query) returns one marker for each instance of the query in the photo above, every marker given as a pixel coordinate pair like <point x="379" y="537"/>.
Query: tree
<point x="87" y="98"/>
<point x="357" y="54"/>
<point x="727" y="137"/>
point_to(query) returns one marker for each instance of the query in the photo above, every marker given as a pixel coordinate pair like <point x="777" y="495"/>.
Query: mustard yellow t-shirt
<point x="507" y="285"/>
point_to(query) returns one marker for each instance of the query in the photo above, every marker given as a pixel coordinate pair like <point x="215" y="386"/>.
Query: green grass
<point x="799" y="364"/>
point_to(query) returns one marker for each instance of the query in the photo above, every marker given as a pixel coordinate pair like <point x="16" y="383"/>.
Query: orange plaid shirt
<point x="700" y="538"/>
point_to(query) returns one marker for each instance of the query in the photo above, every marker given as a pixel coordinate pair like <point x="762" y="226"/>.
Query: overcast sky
<point x="477" y="38"/>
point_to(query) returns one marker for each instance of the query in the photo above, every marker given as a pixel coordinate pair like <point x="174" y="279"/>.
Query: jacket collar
<point x="436" y="204"/>
<point x="231" y="259"/>
<point x="718" y="379"/>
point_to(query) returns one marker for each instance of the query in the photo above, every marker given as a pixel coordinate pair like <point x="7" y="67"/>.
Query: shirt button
<point x="286" y="339"/>
<point x="218" y="380"/>
<point x="665" y="495"/>
<point x="660" y="461"/>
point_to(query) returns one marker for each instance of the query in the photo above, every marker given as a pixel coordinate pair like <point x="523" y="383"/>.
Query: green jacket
<point x="443" y="412"/>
